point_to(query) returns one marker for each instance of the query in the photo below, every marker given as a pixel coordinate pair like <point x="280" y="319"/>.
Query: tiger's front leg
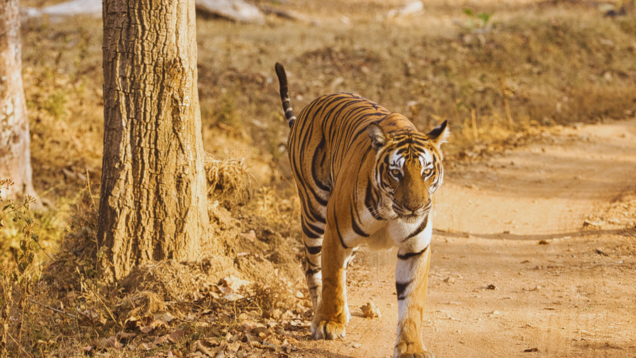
<point x="333" y="313"/>
<point x="411" y="278"/>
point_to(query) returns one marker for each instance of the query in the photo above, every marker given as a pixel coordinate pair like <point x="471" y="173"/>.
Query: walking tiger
<point x="364" y="175"/>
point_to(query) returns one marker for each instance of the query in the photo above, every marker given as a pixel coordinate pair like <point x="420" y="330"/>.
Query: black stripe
<point x="314" y="162"/>
<point x="307" y="230"/>
<point x="371" y="203"/>
<point x="354" y="224"/>
<point x="408" y="255"/>
<point x="335" y="218"/>
<point x="311" y="263"/>
<point x="419" y="229"/>
<point x="401" y="288"/>
<point x="313" y="250"/>
<point x="312" y="272"/>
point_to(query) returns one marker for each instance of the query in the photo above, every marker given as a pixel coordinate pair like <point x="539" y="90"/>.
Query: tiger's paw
<point x="405" y="350"/>
<point x="328" y="330"/>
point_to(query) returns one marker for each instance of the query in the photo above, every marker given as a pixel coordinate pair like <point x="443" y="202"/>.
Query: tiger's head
<point x="408" y="168"/>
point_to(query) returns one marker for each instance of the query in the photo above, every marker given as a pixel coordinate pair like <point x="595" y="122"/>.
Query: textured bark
<point x="153" y="199"/>
<point x="15" y="155"/>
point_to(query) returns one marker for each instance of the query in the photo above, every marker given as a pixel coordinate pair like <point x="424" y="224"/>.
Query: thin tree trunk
<point x="15" y="154"/>
<point x="153" y="198"/>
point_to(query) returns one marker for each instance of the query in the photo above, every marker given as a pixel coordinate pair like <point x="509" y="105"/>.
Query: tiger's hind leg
<point x="312" y="265"/>
<point x="313" y="269"/>
<point x="333" y="312"/>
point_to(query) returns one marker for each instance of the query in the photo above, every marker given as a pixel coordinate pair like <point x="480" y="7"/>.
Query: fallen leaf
<point x="146" y="346"/>
<point x="152" y="325"/>
<point x="203" y="349"/>
<point x="125" y="335"/>
<point x="175" y="336"/>
<point x="104" y="343"/>
<point x="232" y="297"/>
<point x="160" y="340"/>
<point x="163" y="316"/>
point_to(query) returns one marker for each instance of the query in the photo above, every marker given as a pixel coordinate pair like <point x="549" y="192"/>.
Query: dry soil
<point x="550" y="226"/>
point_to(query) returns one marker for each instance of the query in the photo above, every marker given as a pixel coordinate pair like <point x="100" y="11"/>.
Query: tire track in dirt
<point x="561" y="298"/>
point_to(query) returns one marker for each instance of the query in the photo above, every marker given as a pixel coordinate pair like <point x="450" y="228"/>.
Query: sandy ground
<point x="571" y="295"/>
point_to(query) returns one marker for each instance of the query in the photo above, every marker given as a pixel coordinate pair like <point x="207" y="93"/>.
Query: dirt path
<point x="572" y="296"/>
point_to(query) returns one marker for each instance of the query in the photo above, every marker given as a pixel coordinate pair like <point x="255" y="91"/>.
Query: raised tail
<point x="284" y="94"/>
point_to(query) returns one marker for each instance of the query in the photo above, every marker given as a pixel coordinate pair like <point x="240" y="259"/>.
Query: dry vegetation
<point x="500" y="73"/>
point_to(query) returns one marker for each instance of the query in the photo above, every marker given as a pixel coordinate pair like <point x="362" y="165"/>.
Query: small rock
<point x="250" y="236"/>
<point x="492" y="287"/>
<point x="370" y="310"/>
<point x="544" y="242"/>
<point x="588" y="222"/>
<point x="449" y="280"/>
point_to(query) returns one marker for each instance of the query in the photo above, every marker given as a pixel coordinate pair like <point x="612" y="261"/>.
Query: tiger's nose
<point x="413" y="207"/>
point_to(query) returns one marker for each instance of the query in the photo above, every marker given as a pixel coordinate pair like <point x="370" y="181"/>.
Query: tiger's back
<point x="329" y="132"/>
<point x="364" y="175"/>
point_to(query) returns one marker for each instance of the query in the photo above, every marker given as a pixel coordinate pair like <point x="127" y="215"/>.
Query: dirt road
<point x="563" y="287"/>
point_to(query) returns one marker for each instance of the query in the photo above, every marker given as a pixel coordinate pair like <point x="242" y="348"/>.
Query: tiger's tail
<point x="284" y="94"/>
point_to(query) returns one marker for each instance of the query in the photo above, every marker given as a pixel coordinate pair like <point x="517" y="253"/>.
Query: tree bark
<point x="153" y="198"/>
<point x="15" y="154"/>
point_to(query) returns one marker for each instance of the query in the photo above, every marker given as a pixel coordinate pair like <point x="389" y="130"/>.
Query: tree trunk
<point x="154" y="198"/>
<point x="15" y="154"/>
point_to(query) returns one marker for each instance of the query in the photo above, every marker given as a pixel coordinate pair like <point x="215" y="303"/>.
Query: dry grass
<point x="62" y="308"/>
<point x="228" y="181"/>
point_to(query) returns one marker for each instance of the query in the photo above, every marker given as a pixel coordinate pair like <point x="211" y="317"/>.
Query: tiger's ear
<point x="377" y="135"/>
<point x="439" y="134"/>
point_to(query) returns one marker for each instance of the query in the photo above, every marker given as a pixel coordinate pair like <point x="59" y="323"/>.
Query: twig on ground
<point x="19" y="345"/>
<point x="53" y="309"/>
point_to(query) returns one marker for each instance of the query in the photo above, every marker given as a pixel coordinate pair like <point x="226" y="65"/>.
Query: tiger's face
<point x="408" y="169"/>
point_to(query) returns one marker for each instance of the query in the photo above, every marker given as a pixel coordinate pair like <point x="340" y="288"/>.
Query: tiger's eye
<point x="428" y="172"/>
<point x="395" y="173"/>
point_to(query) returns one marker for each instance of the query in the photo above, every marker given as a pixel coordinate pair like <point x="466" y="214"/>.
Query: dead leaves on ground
<point x="227" y="324"/>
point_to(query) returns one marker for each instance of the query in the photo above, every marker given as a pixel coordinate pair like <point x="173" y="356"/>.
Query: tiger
<point x="355" y="188"/>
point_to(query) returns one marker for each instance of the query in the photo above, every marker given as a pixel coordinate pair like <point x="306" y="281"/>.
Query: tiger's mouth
<point x="409" y="215"/>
